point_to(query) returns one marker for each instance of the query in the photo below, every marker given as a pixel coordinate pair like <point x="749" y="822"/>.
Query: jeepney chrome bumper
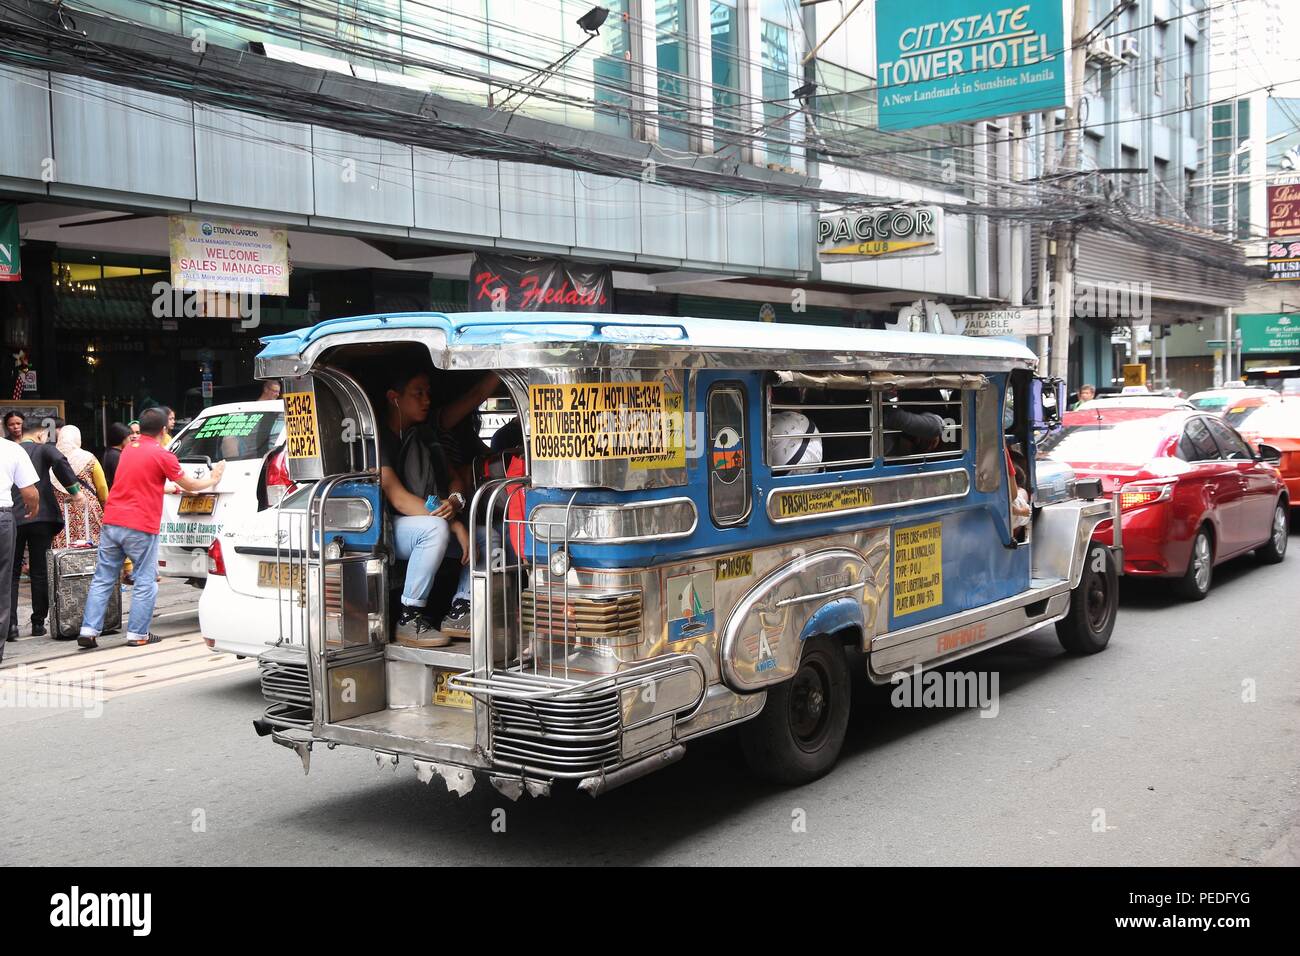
<point x="557" y="728"/>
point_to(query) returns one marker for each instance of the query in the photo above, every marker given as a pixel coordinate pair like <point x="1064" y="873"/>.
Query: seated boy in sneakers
<point x="413" y="469"/>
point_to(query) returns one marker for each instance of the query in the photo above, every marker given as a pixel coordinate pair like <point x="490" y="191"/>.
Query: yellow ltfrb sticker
<point x="300" y="425"/>
<point x="445" y="696"/>
<point x="918" y="567"/>
<point x="597" y="422"/>
<point x="675" y="423"/>
<point x="821" y="501"/>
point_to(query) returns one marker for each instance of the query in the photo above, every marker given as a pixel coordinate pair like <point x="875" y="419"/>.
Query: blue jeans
<point x="422" y="543"/>
<point x="116" y="544"/>
<point x="498" y="558"/>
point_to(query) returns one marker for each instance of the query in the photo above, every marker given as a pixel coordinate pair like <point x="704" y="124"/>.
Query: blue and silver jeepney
<point x="669" y="559"/>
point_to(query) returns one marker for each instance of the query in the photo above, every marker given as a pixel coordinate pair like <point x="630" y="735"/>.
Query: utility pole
<point x="1063" y="243"/>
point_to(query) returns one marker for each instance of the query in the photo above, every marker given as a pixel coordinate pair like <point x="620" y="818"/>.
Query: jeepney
<point x="661" y="566"/>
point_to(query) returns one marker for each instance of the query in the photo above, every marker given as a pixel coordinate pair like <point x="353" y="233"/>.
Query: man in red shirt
<point x="132" y="519"/>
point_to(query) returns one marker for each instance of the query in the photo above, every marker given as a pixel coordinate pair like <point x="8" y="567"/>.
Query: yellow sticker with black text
<point x="674" y="422"/>
<point x="598" y="422"/>
<point x="300" y="425"/>
<point x="735" y="566"/>
<point x="802" y="503"/>
<point x="918" y="567"/>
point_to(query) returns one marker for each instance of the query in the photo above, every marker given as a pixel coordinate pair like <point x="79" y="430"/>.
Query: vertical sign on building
<point x="1284" y="232"/>
<point x="949" y="61"/>
<point x="11" y="269"/>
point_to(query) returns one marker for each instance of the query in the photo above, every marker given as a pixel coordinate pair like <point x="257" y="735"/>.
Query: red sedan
<point x="1193" y="492"/>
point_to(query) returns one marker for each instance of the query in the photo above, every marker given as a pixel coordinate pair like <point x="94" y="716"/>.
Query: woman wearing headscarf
<point x="91" y="476"/>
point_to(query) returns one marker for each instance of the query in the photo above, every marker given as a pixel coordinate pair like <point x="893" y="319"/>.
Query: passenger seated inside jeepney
<point x="909" y="432"/>
<point x="426" y="494"/>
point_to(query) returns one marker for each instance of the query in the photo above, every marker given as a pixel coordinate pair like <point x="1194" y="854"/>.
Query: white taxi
<point x="248" y="437"/>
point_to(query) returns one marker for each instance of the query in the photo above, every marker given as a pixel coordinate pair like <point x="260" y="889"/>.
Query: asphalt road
<point x="1154" y="733"/>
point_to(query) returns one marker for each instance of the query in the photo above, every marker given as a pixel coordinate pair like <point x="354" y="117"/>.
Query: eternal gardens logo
<point x="206" y="228"/>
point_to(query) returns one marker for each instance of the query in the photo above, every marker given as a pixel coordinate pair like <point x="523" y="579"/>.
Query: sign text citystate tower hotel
<point x="945" y="61"/>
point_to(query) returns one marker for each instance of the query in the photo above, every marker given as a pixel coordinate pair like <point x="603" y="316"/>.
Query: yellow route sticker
<point x="300" y="425"/>
<point x="675" y="423"/>
<point x="445" y="696"/>
<point x="821" y="501"/>
<point x="598" y="422"/>
<point x="918" y="567"/>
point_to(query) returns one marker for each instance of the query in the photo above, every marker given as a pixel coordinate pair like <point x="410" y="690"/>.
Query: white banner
<point x="217" y="255"/>
<point x="1025" y="320"/>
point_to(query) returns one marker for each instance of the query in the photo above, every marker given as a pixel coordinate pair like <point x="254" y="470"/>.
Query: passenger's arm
<point x="402" y="500"/>
<point x="31" y="500"/>
<point x="67" y="478"/>
<point x="101" y="484"/>
<point x="451" y="415"/>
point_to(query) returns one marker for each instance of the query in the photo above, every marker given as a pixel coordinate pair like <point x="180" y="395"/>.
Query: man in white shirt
<point x="16" y="471"/>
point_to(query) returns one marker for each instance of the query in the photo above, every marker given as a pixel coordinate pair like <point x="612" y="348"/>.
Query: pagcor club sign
<point x="880" y="234"/>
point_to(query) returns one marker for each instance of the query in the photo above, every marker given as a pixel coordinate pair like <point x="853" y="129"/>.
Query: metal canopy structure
<point x="500" y="340"/>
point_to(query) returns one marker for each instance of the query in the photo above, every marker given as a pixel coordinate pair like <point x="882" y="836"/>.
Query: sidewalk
<point x="176" y="612"/>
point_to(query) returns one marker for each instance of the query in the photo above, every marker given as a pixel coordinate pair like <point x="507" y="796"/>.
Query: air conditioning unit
<point x="1128" y="48"/>
<point x="1102" y="49"/>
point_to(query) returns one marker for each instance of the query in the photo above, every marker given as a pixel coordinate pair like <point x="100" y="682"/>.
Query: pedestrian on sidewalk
<point x="16" y="471"/>
<point x="132" y="521"/>
<point x="119" y="436"/>
<point x="35" y="533"/>
<point x="14" y="426"/>
<point x="84" y="518"/>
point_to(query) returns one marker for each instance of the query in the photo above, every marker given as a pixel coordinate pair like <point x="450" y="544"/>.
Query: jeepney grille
<point x="608" y="621"/>
<point x="287" y="689"/>
<point x="575" y="736"/>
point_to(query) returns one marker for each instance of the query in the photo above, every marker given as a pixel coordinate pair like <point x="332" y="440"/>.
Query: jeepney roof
<point x="488" y="340"/>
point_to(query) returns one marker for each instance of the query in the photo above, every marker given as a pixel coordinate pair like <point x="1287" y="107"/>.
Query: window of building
<point x="1160" y="188"/>
<point x="672" y="26"/>
<point x="724" y="26"/>
<point x="777" y="79"/>
<point x="811" y="430"/>
<point x="923" y="424"/>
<point x="1128" y="160"/>
<point x="729" y="484"/>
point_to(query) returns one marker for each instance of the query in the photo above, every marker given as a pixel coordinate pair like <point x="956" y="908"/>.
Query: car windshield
<point x="1133" y="441"/>
<point x="230" y="436"/>
<point x="1275" y="420"/>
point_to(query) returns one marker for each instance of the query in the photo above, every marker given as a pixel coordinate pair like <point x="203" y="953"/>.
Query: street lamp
<point x="590" y="24"/>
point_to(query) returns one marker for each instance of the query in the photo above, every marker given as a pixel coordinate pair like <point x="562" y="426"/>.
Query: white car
<point x="239" y="610"/>
<point x="248" y="437"/>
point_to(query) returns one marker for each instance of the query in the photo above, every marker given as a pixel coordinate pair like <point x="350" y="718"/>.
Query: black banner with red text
<point x="525" y="284"/>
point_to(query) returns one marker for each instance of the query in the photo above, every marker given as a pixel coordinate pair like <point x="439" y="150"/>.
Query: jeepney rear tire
<point x="798" y="735"/>
<point x="1087" y="625"/>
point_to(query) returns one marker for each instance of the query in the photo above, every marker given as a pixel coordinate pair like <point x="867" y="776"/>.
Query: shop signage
<point x="524" y="284"/>
<point x="1019" y="321"/>
<point x="10" y="267"/>
<point x="948" y="61"/>
<point x="1283" y="211"/>
<point x="1283" y="260"/>
<point x="880" y="234"/>
<point x="216" y="255"/>
<point x="1269" y="332"/>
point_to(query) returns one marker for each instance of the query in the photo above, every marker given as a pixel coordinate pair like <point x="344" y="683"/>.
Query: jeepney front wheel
<point x="797" y="736"/>
<point x="1086" y="627"/>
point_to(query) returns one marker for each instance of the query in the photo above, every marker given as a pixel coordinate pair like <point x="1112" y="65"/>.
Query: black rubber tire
<point x="773" y="747"/>
<point x="1275" y="549"/>
<point x="1094" y="603"/>
<point x="1187" y="587"/>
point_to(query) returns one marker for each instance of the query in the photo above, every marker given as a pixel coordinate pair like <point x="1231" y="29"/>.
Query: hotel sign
<point x="950" y="61"/>
<point x="880" y="234"/>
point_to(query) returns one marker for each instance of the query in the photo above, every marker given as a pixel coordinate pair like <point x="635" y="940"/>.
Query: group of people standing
<point x="54" y="493"/>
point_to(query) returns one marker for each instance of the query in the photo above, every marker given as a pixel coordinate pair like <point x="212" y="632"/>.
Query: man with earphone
<point x="427" y="497"/>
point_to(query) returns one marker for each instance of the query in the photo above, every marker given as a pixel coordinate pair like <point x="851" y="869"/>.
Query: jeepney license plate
<point x="446" y="696"/>
<point x="197" y="504"/>
<point x="283" y="574"/>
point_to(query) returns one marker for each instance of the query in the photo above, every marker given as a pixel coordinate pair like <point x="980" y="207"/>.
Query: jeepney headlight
<point x="334" y="550"/>
<point x="559" y="563"/>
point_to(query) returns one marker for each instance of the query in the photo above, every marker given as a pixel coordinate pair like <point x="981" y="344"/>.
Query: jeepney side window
<point x="729" y="482"/>
<point x="810" y="431"/>
<point x="924" y="424"/>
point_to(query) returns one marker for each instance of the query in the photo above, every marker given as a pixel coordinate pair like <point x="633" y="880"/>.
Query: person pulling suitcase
<point x="132" y="520"/>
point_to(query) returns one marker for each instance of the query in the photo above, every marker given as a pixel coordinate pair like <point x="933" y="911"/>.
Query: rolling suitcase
<point x="70" y="570"/>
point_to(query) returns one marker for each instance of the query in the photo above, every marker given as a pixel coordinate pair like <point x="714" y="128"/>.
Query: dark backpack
<point x="421" y="463"/>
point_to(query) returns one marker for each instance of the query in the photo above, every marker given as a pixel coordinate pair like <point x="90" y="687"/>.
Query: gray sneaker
<point x="456" y="623"/>
<point x="415" y="630"/>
